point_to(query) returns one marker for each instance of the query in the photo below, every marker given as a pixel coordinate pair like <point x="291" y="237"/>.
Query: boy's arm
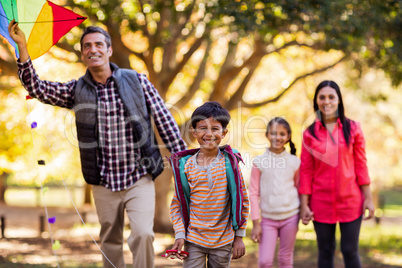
<point x="245" y="208"/>
<point x="239" y="249"/>
<point x="176" y="218"/>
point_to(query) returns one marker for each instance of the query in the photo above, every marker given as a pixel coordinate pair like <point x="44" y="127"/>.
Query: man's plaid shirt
<point x="116" y="154"/>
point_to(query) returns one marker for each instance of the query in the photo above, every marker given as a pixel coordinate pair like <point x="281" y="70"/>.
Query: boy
<point x="210" y="206"/>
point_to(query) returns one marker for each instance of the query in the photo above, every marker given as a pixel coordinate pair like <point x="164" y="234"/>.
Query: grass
<point x="391" y="202"/>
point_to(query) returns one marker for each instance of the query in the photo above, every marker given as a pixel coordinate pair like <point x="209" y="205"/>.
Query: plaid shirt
<point x="116" y="155"/>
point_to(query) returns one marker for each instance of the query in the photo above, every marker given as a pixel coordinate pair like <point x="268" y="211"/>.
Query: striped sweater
<point x="217" y="206"/>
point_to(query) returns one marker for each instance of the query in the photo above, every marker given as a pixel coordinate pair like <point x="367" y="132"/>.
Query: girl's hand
<point x="306" y="215"/>
<point x="256" y="232"/>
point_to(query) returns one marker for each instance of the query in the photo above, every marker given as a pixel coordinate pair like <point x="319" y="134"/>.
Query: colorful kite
<point x="43" y="23"/>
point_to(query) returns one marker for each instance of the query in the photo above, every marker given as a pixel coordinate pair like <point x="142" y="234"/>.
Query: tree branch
<point x="229" y="71"/>
<point x="186" y="57"/>
<point x="178" y="30"/>
<point x="8" y="68"/>
<point x="145" y="26"/>
<point x="275" y="99"/>
<point x="238" y="95"/>
<point x="169" y="52"/>
<point x="122" y="57"/>
<point x="197" y="80"/>
<point x="69" y="48"/>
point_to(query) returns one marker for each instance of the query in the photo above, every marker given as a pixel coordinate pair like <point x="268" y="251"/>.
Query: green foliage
<point x="372" y="29"/>
<point x="368" y="31"/>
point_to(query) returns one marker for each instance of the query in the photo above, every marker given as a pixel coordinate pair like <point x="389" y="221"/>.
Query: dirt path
<point x="24" y="243"/>
<point x="25" y="246"/>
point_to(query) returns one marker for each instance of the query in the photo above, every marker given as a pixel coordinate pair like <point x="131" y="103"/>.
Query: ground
<point x="25" y="245"/>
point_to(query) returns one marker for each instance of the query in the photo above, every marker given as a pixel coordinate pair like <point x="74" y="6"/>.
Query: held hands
<point x="306" y="214"/>
<point x="239" y="249"/>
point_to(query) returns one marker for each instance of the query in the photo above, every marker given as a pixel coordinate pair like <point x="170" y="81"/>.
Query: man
<point x="119" y="154"/>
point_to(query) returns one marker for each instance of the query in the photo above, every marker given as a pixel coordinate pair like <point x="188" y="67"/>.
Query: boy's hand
<point x="178" y="244"/>
<point x="239" y="249"/>
<point x="256" y="232"/>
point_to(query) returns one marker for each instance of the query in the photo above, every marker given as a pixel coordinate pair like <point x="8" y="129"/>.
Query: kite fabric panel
<point x="43" y="23"/>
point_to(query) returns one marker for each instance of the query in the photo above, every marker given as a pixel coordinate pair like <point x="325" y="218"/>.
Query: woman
<point x="334" y="180"/>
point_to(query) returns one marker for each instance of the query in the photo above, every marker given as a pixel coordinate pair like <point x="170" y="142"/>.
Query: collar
<point x="88" y="76"/>
<point x="218" y="156"/>
<point x="320" y="125"/>
<point x="282" y="154"/>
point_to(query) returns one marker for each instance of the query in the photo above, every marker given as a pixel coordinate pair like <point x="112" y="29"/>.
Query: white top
<point x="275" y="187"/>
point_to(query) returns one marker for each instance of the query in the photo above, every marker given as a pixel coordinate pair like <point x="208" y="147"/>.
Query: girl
<point x="334" y="179"/>
<point x="273" y="191"/>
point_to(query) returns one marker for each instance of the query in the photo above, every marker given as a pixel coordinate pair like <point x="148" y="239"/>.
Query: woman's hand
<point x="368" y="202"/>
<point x="369" y="206"/>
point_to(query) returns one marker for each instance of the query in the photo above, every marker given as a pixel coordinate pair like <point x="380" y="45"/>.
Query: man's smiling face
<point x="94" y="51"/>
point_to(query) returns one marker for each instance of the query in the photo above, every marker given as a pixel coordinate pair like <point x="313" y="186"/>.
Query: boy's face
<point x="209" y="133"/>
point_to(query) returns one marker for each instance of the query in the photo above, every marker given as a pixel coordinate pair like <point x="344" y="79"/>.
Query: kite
<point x="43" y="23"/>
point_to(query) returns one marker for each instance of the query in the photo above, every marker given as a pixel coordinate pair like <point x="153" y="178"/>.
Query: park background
<point x="259" y="59"/>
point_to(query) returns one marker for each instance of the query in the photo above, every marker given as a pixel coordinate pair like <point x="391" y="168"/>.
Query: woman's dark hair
<point x="96" y="29"/>
<point x="283" y="122"/>
<point x="341" y="110"/>
<point x="210" y="109"/>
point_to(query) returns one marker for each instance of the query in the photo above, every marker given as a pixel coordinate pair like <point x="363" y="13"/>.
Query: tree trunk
<point x="163" y="184"/>
<point x="162" y="222"/>
<point x="3" y="186"/>
<point x="87" y="194"/>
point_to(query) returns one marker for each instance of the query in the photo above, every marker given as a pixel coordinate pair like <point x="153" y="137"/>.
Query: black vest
<point x="132" y="96"/>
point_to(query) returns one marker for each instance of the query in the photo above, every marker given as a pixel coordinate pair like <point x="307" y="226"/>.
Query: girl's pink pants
<point x="286" y="231"/>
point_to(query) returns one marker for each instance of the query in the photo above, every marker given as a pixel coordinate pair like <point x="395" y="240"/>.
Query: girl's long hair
<point x="341" y="111"/>
<point x="283" y="122"/>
